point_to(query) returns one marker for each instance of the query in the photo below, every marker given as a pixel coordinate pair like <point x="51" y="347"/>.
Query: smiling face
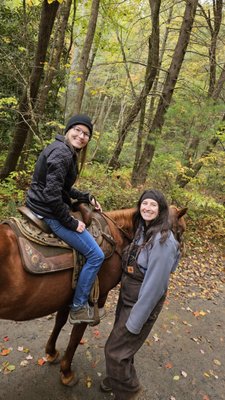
<point x="149" y="210"/>
<point x="78" y="136"/>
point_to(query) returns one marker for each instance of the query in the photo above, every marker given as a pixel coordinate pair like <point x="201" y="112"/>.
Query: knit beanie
<point x="154" y="194"/>
<point x="79" y="119"/>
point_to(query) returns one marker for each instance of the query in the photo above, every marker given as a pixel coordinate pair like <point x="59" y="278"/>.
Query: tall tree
<point x="167" y="93"/>
<point x="192" y="164"/>
<point x="151" y="71"/>
<point x="54" y="61"/>
<point x="84" y="68"/>
<point x="29" y="96"/>
<point x="50" y="73"/>
<point x="214" y="24"/>
<point x="141" y="127"/>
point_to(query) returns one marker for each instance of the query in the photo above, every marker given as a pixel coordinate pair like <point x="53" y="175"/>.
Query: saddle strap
<point x="94" y="296"/>
<point x="77" y="266"/>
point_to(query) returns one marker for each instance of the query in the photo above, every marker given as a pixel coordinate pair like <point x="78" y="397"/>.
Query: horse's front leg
<point x="68" y="377"/>
<point x="52" y="353"/>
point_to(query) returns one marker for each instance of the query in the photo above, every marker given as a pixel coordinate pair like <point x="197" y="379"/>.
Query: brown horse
<point x="24" y="296"/>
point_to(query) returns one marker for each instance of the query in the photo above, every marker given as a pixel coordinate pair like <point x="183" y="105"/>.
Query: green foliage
<point x="191" y="114"/>
<point x="113" y="189"/>
<point x="17" y="51"/>
<point x="11" y="195"/>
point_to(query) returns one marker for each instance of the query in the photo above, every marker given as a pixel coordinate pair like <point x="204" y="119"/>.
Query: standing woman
<point x="147" y="264"/>
<point x="49" y="197"/>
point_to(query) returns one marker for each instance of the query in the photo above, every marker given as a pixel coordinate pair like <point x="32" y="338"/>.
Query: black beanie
<point x="154" y="194"/>
<point x="79" y="119"/>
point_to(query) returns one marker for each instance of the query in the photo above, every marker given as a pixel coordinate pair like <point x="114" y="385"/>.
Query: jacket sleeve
<point x="81" y="197"/>
<point x="161" y="261"/>
<point x="58" y="164"/>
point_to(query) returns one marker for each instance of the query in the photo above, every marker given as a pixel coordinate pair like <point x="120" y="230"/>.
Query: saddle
<point x="43" y="252"/>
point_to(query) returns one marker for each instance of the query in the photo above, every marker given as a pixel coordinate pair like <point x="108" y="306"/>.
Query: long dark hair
<point x="159" y="224"/>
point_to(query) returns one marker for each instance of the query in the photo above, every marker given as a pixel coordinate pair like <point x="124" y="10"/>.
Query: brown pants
<point x="121" y="347"/>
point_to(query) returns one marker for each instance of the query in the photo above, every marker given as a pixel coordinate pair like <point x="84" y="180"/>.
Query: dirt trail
<point x="182" y="359"/>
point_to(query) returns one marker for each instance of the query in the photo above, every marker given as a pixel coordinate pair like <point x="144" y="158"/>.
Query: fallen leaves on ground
<point x="7" y="368"/>
<point x="5" y="352"/>
<point x="203" y="262"/>
<point x="41" y="361"/>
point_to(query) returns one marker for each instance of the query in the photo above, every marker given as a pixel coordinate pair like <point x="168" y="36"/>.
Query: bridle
<point x="126" y="234"/>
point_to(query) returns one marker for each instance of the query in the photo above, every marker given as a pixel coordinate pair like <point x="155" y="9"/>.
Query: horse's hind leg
<point x="68" y="377"/>
<point x="51" y="353"/>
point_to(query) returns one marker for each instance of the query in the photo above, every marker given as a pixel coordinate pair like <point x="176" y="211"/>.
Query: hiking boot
<point x="84" y="314"/>
<point x="105" y="385"/>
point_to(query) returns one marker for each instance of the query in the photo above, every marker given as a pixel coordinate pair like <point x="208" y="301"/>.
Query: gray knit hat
<point x="79" y="119"/>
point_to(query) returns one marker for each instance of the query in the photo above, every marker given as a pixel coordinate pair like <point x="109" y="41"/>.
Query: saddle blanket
<point x="42" y="252"/>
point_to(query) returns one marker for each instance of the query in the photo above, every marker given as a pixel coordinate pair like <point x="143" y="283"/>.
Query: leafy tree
<point x="168" y="89"/>
<point x="29" y="95"/>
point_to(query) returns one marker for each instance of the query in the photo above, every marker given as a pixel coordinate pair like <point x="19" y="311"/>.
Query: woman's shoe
<point x="84" y="314"/>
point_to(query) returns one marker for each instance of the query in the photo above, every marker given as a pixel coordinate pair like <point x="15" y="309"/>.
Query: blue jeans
<point x="86" y="245"/>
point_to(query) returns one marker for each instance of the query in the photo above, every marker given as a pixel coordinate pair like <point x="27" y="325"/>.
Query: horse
<point x="25" y="296"/>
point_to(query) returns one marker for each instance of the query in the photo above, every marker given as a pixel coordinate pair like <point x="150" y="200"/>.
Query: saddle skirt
<point x="43" y="252"/>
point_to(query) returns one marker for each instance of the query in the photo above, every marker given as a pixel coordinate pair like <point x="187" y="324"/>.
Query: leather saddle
<point x="43" y="252"/>
<point x="28" y="214"/>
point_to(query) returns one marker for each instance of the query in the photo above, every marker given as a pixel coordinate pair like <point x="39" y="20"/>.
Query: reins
<point x="127" y="236"/>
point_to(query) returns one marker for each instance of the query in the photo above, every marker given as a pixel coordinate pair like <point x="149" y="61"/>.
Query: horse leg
<point x="51" y="353"/>
<point x="68" y="377"/>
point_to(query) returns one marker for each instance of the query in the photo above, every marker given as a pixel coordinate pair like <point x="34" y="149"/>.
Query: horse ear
<point x="181" y="212"/>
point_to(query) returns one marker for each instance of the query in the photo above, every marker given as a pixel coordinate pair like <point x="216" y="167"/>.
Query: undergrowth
<point x="114" y="191"/>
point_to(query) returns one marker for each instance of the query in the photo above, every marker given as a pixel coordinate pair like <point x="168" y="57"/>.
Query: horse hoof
<point x="53" y="359"/>
<point x="72" y="380"/>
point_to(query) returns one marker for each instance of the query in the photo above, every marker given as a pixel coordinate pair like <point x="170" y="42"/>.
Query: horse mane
<point x="122" y="219"/>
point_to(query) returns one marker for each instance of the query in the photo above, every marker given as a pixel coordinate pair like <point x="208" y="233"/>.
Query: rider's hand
<point x="81" y="227"/>
<point x="96" y="205"/>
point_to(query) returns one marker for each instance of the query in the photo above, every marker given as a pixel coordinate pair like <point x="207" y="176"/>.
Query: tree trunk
<point x="140" y="135"/>
<point x="151" y="70"/>
<point x="135" y="174"/>
<point x="54" y="62"/>
<point x="29" y="96"/>
<point x="214" y="25"/>
<point x="100" y="122"/>
<point x="94" y="49"/>
<point x="183" y="179"/>
<point x="53" y="66"/>
<point x="156" y="82"/>
<point x="168" y="89"/>
<point x="83" y="64"/>
<point x="126" y="65"/>
<point x="219" y="85"/>
<point x="191" y="168"/>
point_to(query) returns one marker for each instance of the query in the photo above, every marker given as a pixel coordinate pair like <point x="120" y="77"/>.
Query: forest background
<point x="151" y="76"/>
